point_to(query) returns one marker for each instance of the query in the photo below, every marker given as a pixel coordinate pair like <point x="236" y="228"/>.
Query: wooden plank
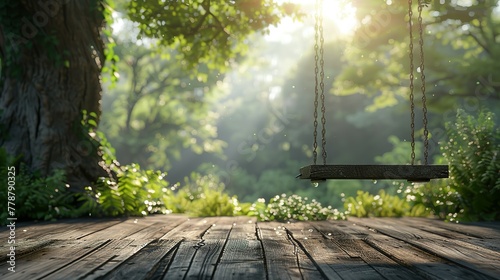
<point x="85" y="266"/>
<point x="157" y="255"/>
<point x="284" y="258"/>
<point x="119" y="250"/>
<point x="352" y="242"/>
<point x="424" y="264"/>
<point x="483" y="230"/>
<point x="91" y="230"/>
<point x="197" y="258"/>
<point x="242" y="257"/>
<point x="84" y="229"/>
<point x="244" y="228"/>
<point x="414" y="173"/>
<point x="329" y="257"/>
<point x="207" y="256"/>
<point x="237" y="247"/>
<point x="142" y="265"/>
<point x="50" y="258"/>
<point x="23" y="247"/>
<point x="191" y="229"/>
<point x="481" y="261"/>
<point x="126" y="229"/>
<point x="139" y="233"/>
<point x="179" y="265"/>
<point x="146" y="239"/>
<point x="484" y="237"/>
<point x="64" y="229"/>
<point x="161" y="267"/>
<point x="148" y="227"/>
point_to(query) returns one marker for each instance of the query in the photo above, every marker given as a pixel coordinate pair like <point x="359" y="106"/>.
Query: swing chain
<point x="319" y="66"/>
<point x="322" y="86"/>
<point x="412" y="103"/>
<point x="316" y="89"/>
<point x="421" y="4"/>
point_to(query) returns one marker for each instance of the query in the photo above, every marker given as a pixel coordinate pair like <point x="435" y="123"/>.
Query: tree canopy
<point x="208" y="31"/>
<point x="460" y="46"/>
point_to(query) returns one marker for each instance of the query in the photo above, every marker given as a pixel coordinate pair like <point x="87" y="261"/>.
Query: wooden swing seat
<point x="411" y="173"/>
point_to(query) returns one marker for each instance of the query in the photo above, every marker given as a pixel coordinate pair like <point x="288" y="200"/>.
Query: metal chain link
<point x="322" y="85"/>
<point x="421" y="4"/>
<point x="316" y="89"/>
<point x="412" y="103"/>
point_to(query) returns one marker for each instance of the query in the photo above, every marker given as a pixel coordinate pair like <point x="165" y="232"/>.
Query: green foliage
<point x="111" y="58"/>
<point x="380" y="205"/>
<point x="436" y="198"/>
<point x="294" y="207"/>
<point x="473" y="190"/>
<point x="135" y="192"/>
<point x="473" y="155"/>
<point x="36" y="198"/>
<point x="400" y="154"/>
<point x="202" y="196"/>
<point x="159" y="108"/>
<point x="460" y="56"/>
<point x="206" y="31"/>
<point x="471" y="193"/>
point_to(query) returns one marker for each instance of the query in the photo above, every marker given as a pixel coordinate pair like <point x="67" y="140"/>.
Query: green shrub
<point x="202" y="196"/>
<point x="473" y="190"/>
<point x="472" y="151"/>
<point x="36" y="198"/>
<point x="436" y="198"/>
<point x="135" y="192"/>
<point x="294" y="207"/>
<point x="380" y="205"/>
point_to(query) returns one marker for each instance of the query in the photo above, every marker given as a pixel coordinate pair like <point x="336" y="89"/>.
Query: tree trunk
<point x="57" y="46"/>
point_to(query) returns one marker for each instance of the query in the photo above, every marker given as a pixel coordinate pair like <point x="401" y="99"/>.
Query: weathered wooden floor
<point x="175" y="247"/>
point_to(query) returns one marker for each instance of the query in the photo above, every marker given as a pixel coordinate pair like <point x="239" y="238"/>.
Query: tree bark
<point x="59" y="51"/>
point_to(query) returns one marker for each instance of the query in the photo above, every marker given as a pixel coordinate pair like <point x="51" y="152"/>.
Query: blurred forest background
<point x="252" y="126"/>
<point x="204" y="115"/>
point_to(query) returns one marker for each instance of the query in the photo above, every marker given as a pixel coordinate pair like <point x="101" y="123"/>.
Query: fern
<point x="37" y="198"/>
<point x="136" y="192"/>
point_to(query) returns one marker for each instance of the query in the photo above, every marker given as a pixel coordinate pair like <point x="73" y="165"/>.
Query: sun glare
<point x="341" y="14"/>
<point x="338" y="15"/>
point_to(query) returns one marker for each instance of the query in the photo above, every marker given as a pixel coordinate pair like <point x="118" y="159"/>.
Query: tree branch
<point x="206" y="6"/>
<point x="222" y="27"/>
<point x="482" y="44"/>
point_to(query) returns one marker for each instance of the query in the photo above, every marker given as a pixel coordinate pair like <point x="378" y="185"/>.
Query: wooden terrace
<point x="177" y="247"/>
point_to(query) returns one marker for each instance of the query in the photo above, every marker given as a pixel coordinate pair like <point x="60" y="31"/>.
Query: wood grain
<point x="178" y="247"/>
